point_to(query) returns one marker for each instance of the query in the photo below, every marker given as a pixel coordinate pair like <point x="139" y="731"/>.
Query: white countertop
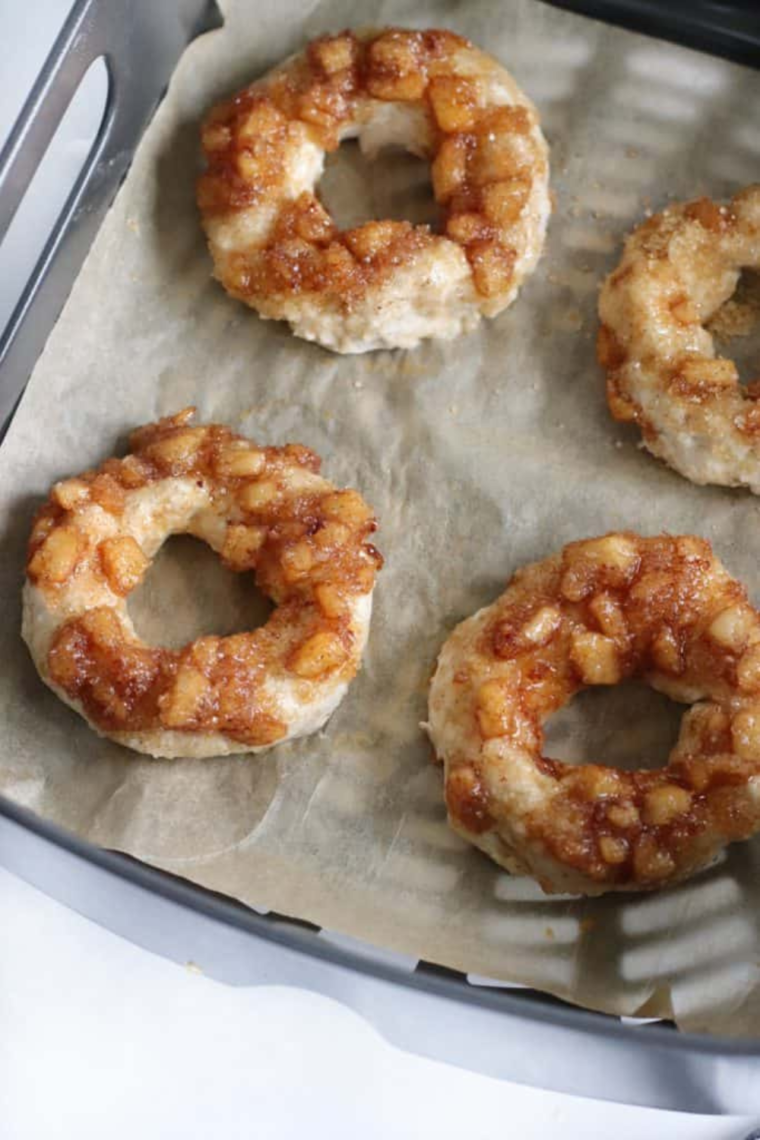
<point x="99" y="1038"/>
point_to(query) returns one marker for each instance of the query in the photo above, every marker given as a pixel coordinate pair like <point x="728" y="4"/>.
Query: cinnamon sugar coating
<point x="678" y="268"/>
<point x="602" y="611"/>
<point x="264" y="510"/>
<point x="385" y="283"/>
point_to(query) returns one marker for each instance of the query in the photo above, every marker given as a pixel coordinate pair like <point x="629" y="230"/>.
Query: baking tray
<point x="501" y="1031"/>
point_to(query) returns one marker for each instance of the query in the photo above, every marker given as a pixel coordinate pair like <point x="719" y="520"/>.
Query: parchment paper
<point x="479" y="455"/>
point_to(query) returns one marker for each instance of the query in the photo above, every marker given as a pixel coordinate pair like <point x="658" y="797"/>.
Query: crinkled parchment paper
<point x="479" y="455"/>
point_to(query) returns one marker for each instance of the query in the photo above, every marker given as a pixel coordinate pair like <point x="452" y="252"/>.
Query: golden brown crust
<point x="305" y="541"/>
<point x="603" y="611"/>
<point x="485" y="160"/>
<point x="677" y="271"/>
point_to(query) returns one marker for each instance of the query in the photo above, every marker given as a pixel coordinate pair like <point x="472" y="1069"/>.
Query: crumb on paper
<point x="410" y="367"/>
<point x="567" y="320"/>
<point x="193" y="967"/>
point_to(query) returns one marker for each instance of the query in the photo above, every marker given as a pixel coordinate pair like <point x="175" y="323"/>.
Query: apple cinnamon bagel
<point x="265" y="510"/>
<point x="663" y="373"/>
<point x="599" y="612"/>
<point x="384" y="284"/>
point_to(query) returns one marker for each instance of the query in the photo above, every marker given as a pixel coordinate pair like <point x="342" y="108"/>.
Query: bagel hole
<point x="394" y="186"/>
<point x="735" y="327"/>
<point x="188" y="593"/>
<point x="622" y="726"/>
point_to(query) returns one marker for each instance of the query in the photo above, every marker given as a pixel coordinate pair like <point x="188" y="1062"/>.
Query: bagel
<point x="602" y="611"/>
<point x="677" y="269"/>
<point x="262" y="509"/>
<point x="385" y="284"/>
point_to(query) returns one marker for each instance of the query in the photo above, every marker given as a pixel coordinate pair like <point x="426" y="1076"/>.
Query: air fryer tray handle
<point x="730" y="28"/>
<point x="143" y="34"/>
<point x="41" y="114"/>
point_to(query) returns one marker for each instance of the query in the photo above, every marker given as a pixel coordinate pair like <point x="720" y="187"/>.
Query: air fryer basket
<point x="500" y="1031"/>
